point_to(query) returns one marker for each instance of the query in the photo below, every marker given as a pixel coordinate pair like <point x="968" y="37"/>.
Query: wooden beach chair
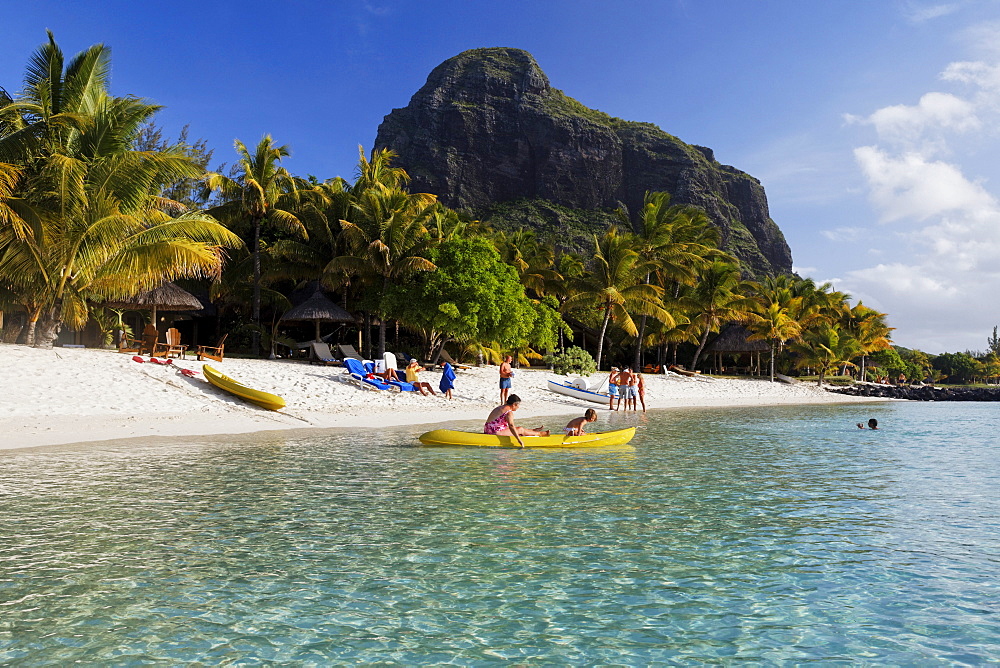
<point x="173" y="346"/>
<point x="213" y="352"/>
<point x="128" y="344"/>
<point x="150" y="335"/>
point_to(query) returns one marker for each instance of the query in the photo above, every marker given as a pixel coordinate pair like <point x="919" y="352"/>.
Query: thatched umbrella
<point x="317" y="309"/>
<point x="167" y="297"/>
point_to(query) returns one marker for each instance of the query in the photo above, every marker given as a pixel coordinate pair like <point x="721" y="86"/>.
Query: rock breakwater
<point x="920" y="393"/>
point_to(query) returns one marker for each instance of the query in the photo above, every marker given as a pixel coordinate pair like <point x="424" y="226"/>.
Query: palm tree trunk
<point x="255" y="333"/>
<point x="381" y="320"/>
<point x="33" y="315"/>
<point x="772" y="361"/>
<point x="46" y="334"/>
<point x="600" y="341"/>
<point x="638" y="342"/>
<point x="701" y="346"/>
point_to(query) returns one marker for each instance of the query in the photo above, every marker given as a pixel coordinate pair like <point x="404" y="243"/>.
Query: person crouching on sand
<point x="501" y="421"/>
<point x="576" y="425"/>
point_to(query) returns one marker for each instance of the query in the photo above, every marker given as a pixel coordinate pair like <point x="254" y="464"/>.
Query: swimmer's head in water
<point x="873" y="424"/>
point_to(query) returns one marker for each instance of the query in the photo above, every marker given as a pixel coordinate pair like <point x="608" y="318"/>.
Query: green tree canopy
<point x="471" y="297"/>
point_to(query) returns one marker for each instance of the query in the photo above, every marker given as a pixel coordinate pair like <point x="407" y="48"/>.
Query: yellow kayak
<point x="449" y="437"/>
<point x="263" y="399"/>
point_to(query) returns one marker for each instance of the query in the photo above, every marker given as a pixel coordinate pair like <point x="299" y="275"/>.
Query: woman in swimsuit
<point x="501" y="421"/>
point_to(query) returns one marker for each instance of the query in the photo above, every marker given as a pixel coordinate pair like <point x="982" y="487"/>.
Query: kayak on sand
<point x="263" y="399"/>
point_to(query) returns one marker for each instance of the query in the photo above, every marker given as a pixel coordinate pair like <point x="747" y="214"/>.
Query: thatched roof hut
<point x="318" y="308"/>
<point x="734" y="341"/>
<point x="167" y="297"/>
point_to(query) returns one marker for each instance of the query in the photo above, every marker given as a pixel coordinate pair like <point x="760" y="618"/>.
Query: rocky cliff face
<point x="488" y="134"/>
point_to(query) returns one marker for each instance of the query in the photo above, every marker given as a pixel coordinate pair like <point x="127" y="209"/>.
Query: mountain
<point x="487" y="134"/>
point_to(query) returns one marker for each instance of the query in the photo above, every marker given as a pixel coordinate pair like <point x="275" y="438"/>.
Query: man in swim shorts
<point x="506" y="373"/>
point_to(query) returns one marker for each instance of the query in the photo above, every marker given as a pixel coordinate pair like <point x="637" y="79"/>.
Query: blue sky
<point x="873" y="126"/>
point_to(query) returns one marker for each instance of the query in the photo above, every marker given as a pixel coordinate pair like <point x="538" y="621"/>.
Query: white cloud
<point x="977" y="73"/>
<point x="983" y="38"/>
<point x="939" y="275"/>
<point x="922" y="126"/>
<point x="920" y="14"/>
<point x="845" y="234"/>
<point x="910" y="186"/>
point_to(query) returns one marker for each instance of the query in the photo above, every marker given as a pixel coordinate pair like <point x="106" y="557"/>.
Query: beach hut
<point x="318" y="308"/>
<point x="167" y="297"/>
<point x="733" y="342"/>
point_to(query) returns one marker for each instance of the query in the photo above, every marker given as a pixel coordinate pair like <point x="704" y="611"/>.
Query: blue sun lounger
<point x="359" y="373"/>
<point x="401" y="385"/>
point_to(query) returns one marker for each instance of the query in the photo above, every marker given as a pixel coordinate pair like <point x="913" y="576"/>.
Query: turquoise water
<point x="771" y="535"/>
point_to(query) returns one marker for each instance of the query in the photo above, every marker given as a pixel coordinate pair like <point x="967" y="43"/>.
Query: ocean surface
<point x="767" y="535"/>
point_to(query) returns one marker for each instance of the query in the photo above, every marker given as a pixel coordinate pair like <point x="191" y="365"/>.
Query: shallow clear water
<point x="763" y="535"/>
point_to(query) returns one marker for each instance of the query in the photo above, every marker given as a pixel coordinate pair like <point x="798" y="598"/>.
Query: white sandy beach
<point x="65" y="395"/>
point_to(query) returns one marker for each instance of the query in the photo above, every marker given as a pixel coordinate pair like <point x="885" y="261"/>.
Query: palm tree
<point x="386" y="240"/>
<point x="533" y="261"/>
<point x="262" y="194"/>
<point x="305" y="259"/>
<point x="775" y="325"/>
<point x="97" y="229"/>
<point x="674" y="240"/>
<point x="616" y="285"/>
<point x="825" y="348"/>
<point x="718" y="298"/>
<point x="868" y="327"/>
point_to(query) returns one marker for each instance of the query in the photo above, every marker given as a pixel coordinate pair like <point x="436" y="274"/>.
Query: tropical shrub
<point x="574" y="360"/>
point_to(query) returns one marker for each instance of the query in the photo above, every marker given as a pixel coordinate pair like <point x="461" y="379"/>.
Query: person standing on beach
<point x="625" y="387"/>
<point x="506" y="373"/>
<point x="641" y="385"/>
<point x="447" y="383"/>
<point x="613" y="388"/>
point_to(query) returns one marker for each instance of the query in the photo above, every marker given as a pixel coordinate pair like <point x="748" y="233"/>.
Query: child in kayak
<point x="576" y="425"/>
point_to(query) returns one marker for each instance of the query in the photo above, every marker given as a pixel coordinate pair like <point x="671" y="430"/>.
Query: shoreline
<point x="67" y="396"/>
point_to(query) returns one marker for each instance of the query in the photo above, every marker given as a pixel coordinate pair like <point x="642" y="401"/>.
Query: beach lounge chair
<point x="347" y="350"/>
<point x="390" y="361"/>
<point x="149" y="337"/>
<point x="319" y="353"/>
<point x="173" y="346"/>
<point x="448" y="358"/>
<point x="359" y="374"/>
<point x="128" y="344"/>
<point x="213" y="352"/>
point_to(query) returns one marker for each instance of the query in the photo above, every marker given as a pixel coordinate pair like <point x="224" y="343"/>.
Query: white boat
<point x="578" y="390"/>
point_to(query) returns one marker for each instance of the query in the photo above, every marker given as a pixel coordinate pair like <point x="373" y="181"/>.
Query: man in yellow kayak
<point x="501" y="421"/>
